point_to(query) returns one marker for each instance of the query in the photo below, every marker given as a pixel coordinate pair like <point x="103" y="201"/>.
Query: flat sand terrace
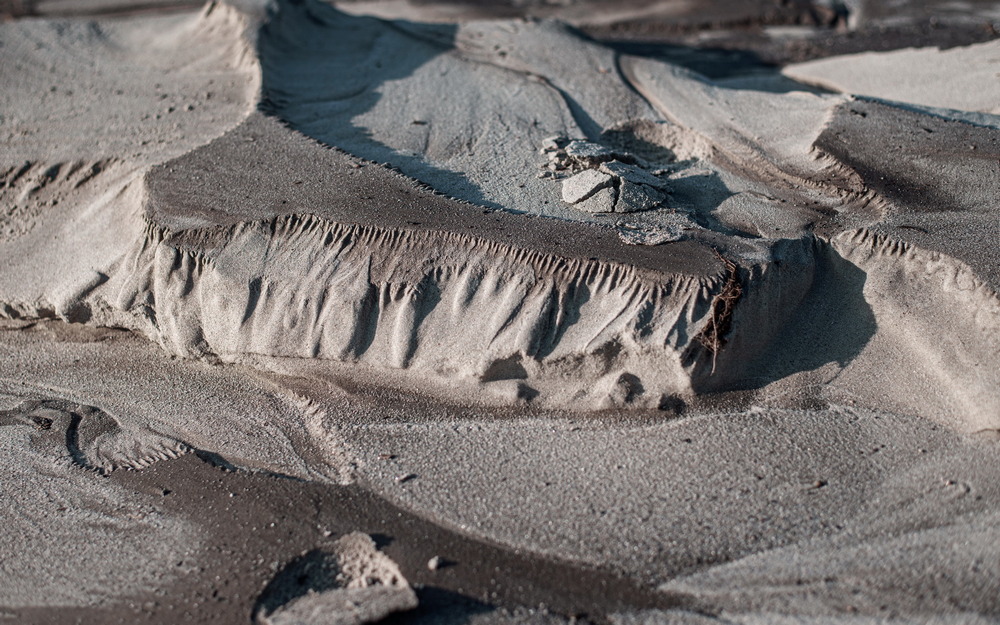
<point x="261" y="170"/>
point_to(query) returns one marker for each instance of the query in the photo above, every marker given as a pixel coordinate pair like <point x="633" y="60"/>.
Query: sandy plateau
<point x="311" y="316"/>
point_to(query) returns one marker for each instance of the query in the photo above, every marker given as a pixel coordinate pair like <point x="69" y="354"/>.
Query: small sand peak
<point x="350" y="584"/>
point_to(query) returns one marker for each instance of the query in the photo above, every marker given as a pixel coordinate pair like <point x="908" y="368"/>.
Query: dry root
<point x="721" y="316"/>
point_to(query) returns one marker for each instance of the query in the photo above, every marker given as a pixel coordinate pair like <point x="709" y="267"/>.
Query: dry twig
<point x="721" y="314"/>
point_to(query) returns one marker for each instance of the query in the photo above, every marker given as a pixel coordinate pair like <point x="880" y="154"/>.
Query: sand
<point x="918" y="77"/>
<point x="314" y="316"/>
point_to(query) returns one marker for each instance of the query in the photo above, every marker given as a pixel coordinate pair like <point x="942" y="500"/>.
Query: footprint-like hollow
<point x="89" y="437"/>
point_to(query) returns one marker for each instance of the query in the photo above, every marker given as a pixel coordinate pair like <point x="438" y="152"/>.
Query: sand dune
<point x="321" y="255"/>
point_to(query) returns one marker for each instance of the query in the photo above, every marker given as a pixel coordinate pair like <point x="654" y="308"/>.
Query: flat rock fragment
<point x="634" y="197"/>
<point x="631" y="234"/>
<point x="584" y="184"/>
<point x="601" y="202"/>
<point x="585" y="150"/>
<point x="632" y="173"/>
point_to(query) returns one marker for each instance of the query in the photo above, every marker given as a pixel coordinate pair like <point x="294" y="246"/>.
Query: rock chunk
<point x="634" y="197"/>
<point x="587" y="151"/>
<point x="633" y="234"/>
<point x="355" y="584"/>
<point x="584" y="184"/>
<point x="599" y="179"/>
<point x="632" y="173"/>
<point x="601" y="202"/>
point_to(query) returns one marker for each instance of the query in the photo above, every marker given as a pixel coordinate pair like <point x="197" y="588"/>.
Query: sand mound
<point x="353" y="584"/>
<point x="211" y="275"/>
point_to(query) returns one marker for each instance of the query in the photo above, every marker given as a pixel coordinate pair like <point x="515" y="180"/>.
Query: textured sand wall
<point x="370" y="277"/>
<point x="582" y="333"/>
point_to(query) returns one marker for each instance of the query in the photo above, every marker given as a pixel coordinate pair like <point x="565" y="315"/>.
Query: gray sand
<point x="316" y="317"/>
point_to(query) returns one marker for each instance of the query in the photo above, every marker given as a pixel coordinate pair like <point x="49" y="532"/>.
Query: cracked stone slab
<point x="632" y="173"/>
<point x="586" y="150"/>
<point x="633" y="234"/>
<point x="584" y="184"/>
<point x="601" y="202"/>
<point x="633" y="197"/>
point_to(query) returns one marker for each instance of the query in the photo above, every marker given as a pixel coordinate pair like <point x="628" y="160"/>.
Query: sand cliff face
<point x="518" y="322"/>
<point x="437" y="302"/>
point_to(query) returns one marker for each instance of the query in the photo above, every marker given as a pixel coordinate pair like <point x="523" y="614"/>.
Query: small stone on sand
<point x="552" y="143"/>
